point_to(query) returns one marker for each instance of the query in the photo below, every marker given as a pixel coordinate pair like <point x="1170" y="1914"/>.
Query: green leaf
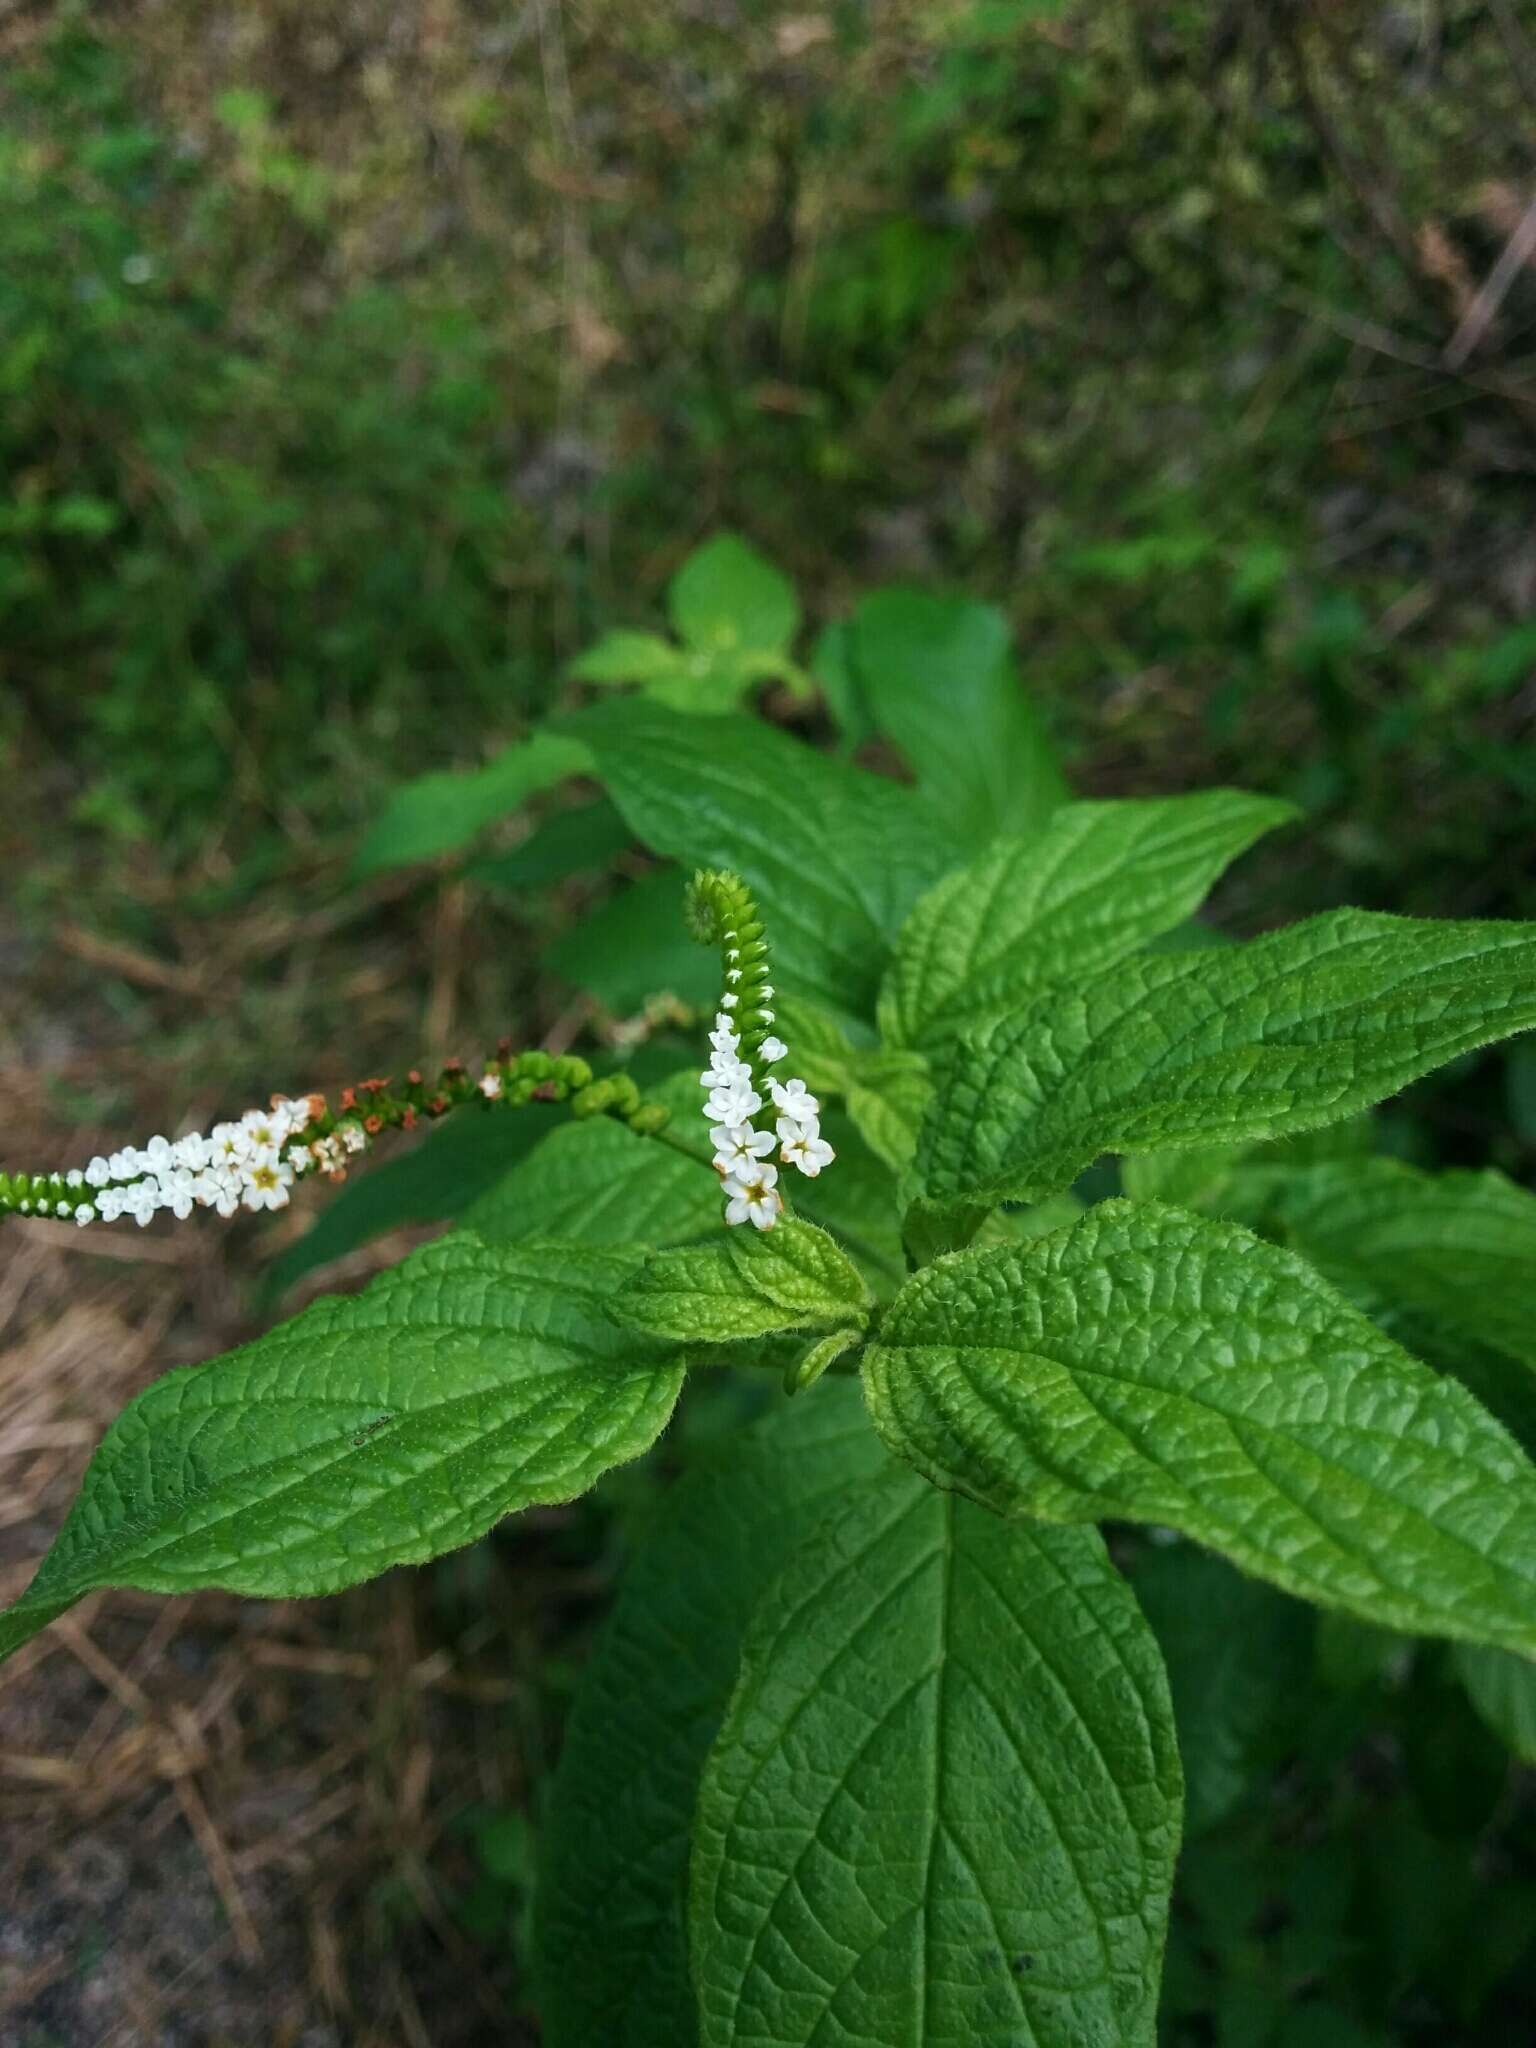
<point x="635" y="946"/>
<point x="745" y="1284"/>
<point x="943" y="1807"/>
<point x="936" y="676"/>
<point x="832" y="670"/>
<point x="886" y="1089"/>
<point x="441" y="1178"/>
<point x="1456" y="1248"/>
<point x="440" y="813"/>
<point x="1061" y="905"/>
<point x="626" y="657"/>
<point x="1241" y="1181"/>
<point x="1502" y="1687"/>
<point x="1155" y="1366"/>
<point x="600" y="1183"/>
<point x="856" y="1200"/>
<point x="1233" y="1649"/>
<point x="373" y="1430"/>
<point x="616" y="1834"/>
<point x="1284" y="1034"/>
<point x="727" y="596"/>
<point x="836" y="856"/>
<point x="577" y="839"/>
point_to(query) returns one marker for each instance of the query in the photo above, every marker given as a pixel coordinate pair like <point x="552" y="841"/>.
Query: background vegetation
<point x="359" y="364"/>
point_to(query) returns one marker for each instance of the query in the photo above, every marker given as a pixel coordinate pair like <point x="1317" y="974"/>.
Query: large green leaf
<point x="611" y="1912"/>
<point x="576" y="839"/>
<point x="934" y="673"/>
<point x="745" y="1283"/>
<point x="1061" y="905"/>
<point x="373" y="1430"/>
<point x="1233" y="1648"/>
<point x="1284" y="1034"/>
<point x="943" y="1806"/>
<point x="599" y="1182"/>
<point x="441" y="812"/>
<point x="441" y="1178"/>
<point x="1156" y="1366"/>
<point x="635" y="945"/>
<point x="1456" y="1248"/>
<point x="837" y="856"/>
<point x="885" y="1089"/>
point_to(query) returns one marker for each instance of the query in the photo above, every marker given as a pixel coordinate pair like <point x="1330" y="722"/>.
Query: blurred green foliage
<point x="360" y="366"/>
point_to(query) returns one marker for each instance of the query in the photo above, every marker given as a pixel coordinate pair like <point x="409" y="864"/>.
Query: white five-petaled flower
<point x="793" y="1098"/>
<point x="773" y="1050"/>
<point x="738" y="1147"/>
<point x="804" y="1147"/>
<point x="751" y="1197"/>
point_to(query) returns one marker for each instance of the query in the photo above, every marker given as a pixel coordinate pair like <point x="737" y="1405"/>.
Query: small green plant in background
<point x="1078" y="1493"/>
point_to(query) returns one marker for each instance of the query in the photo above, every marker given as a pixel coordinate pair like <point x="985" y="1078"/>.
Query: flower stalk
<point x="720" y="911"/>
<point x="252" y="1163"/>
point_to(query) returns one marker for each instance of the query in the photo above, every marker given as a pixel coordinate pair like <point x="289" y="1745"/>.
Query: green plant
<point x="879" y="1743"/>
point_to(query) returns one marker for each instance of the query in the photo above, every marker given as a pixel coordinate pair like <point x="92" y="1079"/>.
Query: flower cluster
<point x="246" y="1165"/>
<point x="741" y="1150"/>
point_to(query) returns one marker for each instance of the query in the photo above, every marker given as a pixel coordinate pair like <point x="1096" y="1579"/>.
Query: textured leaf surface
<point x="442" y="1177"/>
<point x="1233" y="1649"/>
<point x="943" y="1807"/>
<point x="745" y="1283"/>
<point x="440" y="813"/>
<point x="600" y="1183"/>
<point x="934" y="673"/>
<point x="1284" y="1034"/>
<point x="1155" y="1366"/>
<point x="1458" y="1248"/>
<point x="373" y="1430"/>
<point x="1061" y="905"/>
<point x="616" y="1835"/>
<point x="836" y="856"/>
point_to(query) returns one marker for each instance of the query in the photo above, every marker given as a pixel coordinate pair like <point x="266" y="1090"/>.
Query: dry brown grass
<point x="225" y="1821"/>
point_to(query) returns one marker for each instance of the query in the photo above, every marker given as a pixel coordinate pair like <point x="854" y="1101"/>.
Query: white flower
<point x="489" y="1086"/>
<point x="736" y="1104"/>
<point x="267" y="1179"/>
<point x="738" y="1147"/>
<point x="141" y="1201"/>
<point x="299" y="1158"/>
<point x="265" y="1128"/>
<point x="123" y="1165"/>
<point x="219" y="1189"/>
<point x="353" y="1136"/>
<point x="98" y="1173"/>
<point x="723" y="1038"/>
<point x="85" y="1214"/>
<point x="193" y="1151"/>
<point x="74" y="1177"/>
<point x="157" y="1156"/>
<point x="752" y="1198"/>
<point x="178" y="1192"/>
<point x="795" y="1099"/>
<point x="774" y="1049"/>
<point x="805" y="1148"/>
<point x="231" y="1145"/>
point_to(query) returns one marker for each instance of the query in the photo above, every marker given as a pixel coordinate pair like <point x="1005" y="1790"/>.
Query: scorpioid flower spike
<point x="720" y="911"/>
